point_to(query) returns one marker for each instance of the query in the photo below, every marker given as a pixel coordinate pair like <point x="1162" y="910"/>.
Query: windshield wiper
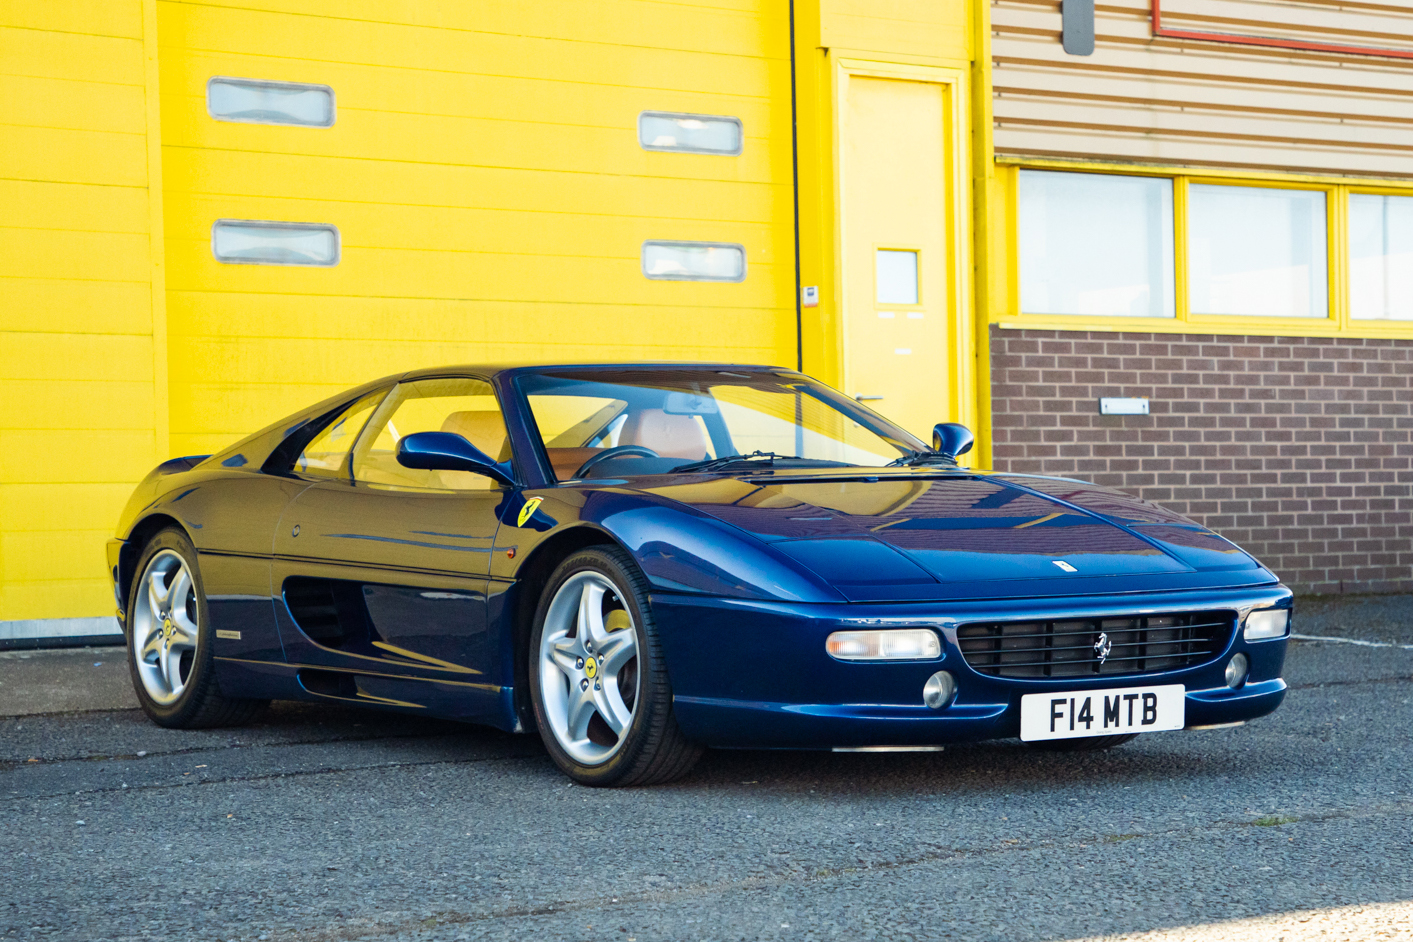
<point x="915" y="458"/>
<point x="766" y="458"/>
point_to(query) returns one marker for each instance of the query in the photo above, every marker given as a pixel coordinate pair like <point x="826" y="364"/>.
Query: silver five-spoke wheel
<point x="164" y="630"/>
<point x="588" y="668"/>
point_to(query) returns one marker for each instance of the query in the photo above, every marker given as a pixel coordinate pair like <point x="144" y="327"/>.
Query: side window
<point x="466" y="407"/>
<point x="325" y="455"/>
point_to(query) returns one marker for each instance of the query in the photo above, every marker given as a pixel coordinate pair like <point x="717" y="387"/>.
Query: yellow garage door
<point x="489" y="187"/>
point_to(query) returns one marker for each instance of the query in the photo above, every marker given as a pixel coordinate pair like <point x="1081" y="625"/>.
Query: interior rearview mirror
<point x="447" y="451"/>
<point x="683" y="403"/>
<point x="952" y="439"/>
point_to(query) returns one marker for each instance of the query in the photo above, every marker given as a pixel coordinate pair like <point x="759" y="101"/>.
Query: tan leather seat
<point x="568" y="460"/>
<point x="485" y="430"/>
<point x="671" y="436"/>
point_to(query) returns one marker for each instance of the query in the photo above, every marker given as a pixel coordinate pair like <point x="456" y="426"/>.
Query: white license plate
<point x="1070" y="715"/>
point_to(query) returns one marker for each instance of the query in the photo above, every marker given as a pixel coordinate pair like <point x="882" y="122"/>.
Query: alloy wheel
<point x="165" y="629"/>
<point x="589" y="668"/>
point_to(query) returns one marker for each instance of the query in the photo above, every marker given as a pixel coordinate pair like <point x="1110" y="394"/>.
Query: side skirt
<point x="488" y="704"/>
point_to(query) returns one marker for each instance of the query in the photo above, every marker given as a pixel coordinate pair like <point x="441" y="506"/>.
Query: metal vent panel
<point x="1089" y="647"/>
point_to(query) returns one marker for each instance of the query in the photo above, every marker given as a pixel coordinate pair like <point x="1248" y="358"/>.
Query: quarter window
<point x="326" y="455"/>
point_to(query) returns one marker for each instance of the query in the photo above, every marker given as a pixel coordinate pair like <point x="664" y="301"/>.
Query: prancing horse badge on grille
<point x="1103" y="646"/>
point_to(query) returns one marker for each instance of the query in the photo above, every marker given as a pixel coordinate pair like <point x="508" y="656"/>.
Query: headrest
<point x="672" y="436"/>
<point x="484" y="429"/>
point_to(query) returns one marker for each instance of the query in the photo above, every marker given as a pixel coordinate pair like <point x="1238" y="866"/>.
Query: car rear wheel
<point x="169" y="641"/>
<point x="1086" y="744"/>
<point x="598" y="681"/>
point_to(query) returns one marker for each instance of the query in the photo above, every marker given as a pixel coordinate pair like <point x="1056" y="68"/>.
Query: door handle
<point x="863" y="398"/>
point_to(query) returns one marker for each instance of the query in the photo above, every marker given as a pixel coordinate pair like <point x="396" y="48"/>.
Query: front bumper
<point x="756" y="675"/>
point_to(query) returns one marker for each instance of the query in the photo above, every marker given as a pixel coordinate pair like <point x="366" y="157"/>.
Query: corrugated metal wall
<point x="81" y="397"/>
<point x="486" y="177"/>
<point x="1209" y="104"/>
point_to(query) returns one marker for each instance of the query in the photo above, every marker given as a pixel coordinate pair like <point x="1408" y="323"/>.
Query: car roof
<point x="492" y="369"/>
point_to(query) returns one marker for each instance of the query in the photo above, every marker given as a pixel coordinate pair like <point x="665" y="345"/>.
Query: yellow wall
<point x="891" y="37"/>
<point x="485" y="175"/>
<point x="917" y="41"/>
<point x="81" y="380"/>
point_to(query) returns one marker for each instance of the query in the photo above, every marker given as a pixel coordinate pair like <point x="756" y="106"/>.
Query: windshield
<point x="620" y="423"/>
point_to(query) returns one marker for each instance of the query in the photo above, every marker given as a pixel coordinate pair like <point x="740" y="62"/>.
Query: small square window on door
<point x="896" y="274"/>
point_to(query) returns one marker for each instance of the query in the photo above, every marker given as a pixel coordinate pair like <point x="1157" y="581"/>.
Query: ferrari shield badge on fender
<point x="528" y="510"/>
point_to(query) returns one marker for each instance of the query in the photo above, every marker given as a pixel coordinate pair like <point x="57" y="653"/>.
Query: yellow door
<point x="896" y="295"/>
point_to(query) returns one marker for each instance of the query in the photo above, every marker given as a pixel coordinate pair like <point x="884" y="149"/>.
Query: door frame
<point x="956" y="134"/>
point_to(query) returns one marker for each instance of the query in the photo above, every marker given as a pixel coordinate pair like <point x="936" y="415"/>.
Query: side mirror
<point x="952" y="439"/>
<point x="447" y="451"/>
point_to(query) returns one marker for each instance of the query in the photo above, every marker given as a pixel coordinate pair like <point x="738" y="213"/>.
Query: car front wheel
<point x="169" y="641"/>
<point x="598" y="680"/>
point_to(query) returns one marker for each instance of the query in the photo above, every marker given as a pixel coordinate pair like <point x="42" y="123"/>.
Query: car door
<point x="383" y="569"/>
<point x="234" y="518"/>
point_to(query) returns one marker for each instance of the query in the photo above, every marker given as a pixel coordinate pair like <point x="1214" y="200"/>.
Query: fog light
<point x="1236" y="671"/>
<point x="899" y="644"/>
<point x="939" y="690"/>
<point x="1268" y="623"/>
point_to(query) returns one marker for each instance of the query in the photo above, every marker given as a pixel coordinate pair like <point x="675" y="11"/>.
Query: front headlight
<point x="894" y="644"/>
<point x="1267" y="623"/>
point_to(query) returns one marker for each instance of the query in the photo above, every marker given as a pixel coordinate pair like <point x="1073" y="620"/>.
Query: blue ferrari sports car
<point x="644" y="560"/>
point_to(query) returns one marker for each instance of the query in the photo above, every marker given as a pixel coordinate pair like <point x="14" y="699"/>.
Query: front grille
<point x="1138" y="644"/>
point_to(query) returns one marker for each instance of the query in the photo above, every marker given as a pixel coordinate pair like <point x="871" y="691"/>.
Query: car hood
<point x="912" y="536"/>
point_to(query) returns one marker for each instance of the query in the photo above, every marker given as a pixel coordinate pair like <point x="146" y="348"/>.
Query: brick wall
<point x="1298" y="449"/>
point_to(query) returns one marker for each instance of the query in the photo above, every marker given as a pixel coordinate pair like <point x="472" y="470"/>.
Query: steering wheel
<point x="622" y="451"/>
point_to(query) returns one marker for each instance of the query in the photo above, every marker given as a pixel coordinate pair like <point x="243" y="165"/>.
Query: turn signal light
<point x="1268" y="623"/>
<point x="893" y="644"/>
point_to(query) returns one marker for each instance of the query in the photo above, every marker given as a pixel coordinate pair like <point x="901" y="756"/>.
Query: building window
<point x="690" y="133"/>
<point x="1254" y="251"/>
<point x="694" y="261"/>
<point x="1380" y="257"/>
<point x="252" y="242"/>
<point x="1096" y="244"/>
<point x="896" y="273"/>
<point x="256" y="102"/>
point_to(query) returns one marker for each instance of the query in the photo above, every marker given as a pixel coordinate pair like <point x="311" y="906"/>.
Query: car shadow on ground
<point x="982" y="767"/>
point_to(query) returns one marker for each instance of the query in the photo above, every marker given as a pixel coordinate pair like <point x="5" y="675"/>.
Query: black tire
<point x="201" y="704"/>
<point x="1086" y="744"/>
<point x="653" y="750"/>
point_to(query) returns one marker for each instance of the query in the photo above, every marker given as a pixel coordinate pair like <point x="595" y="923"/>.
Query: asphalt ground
<point x="327" y="824"/>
